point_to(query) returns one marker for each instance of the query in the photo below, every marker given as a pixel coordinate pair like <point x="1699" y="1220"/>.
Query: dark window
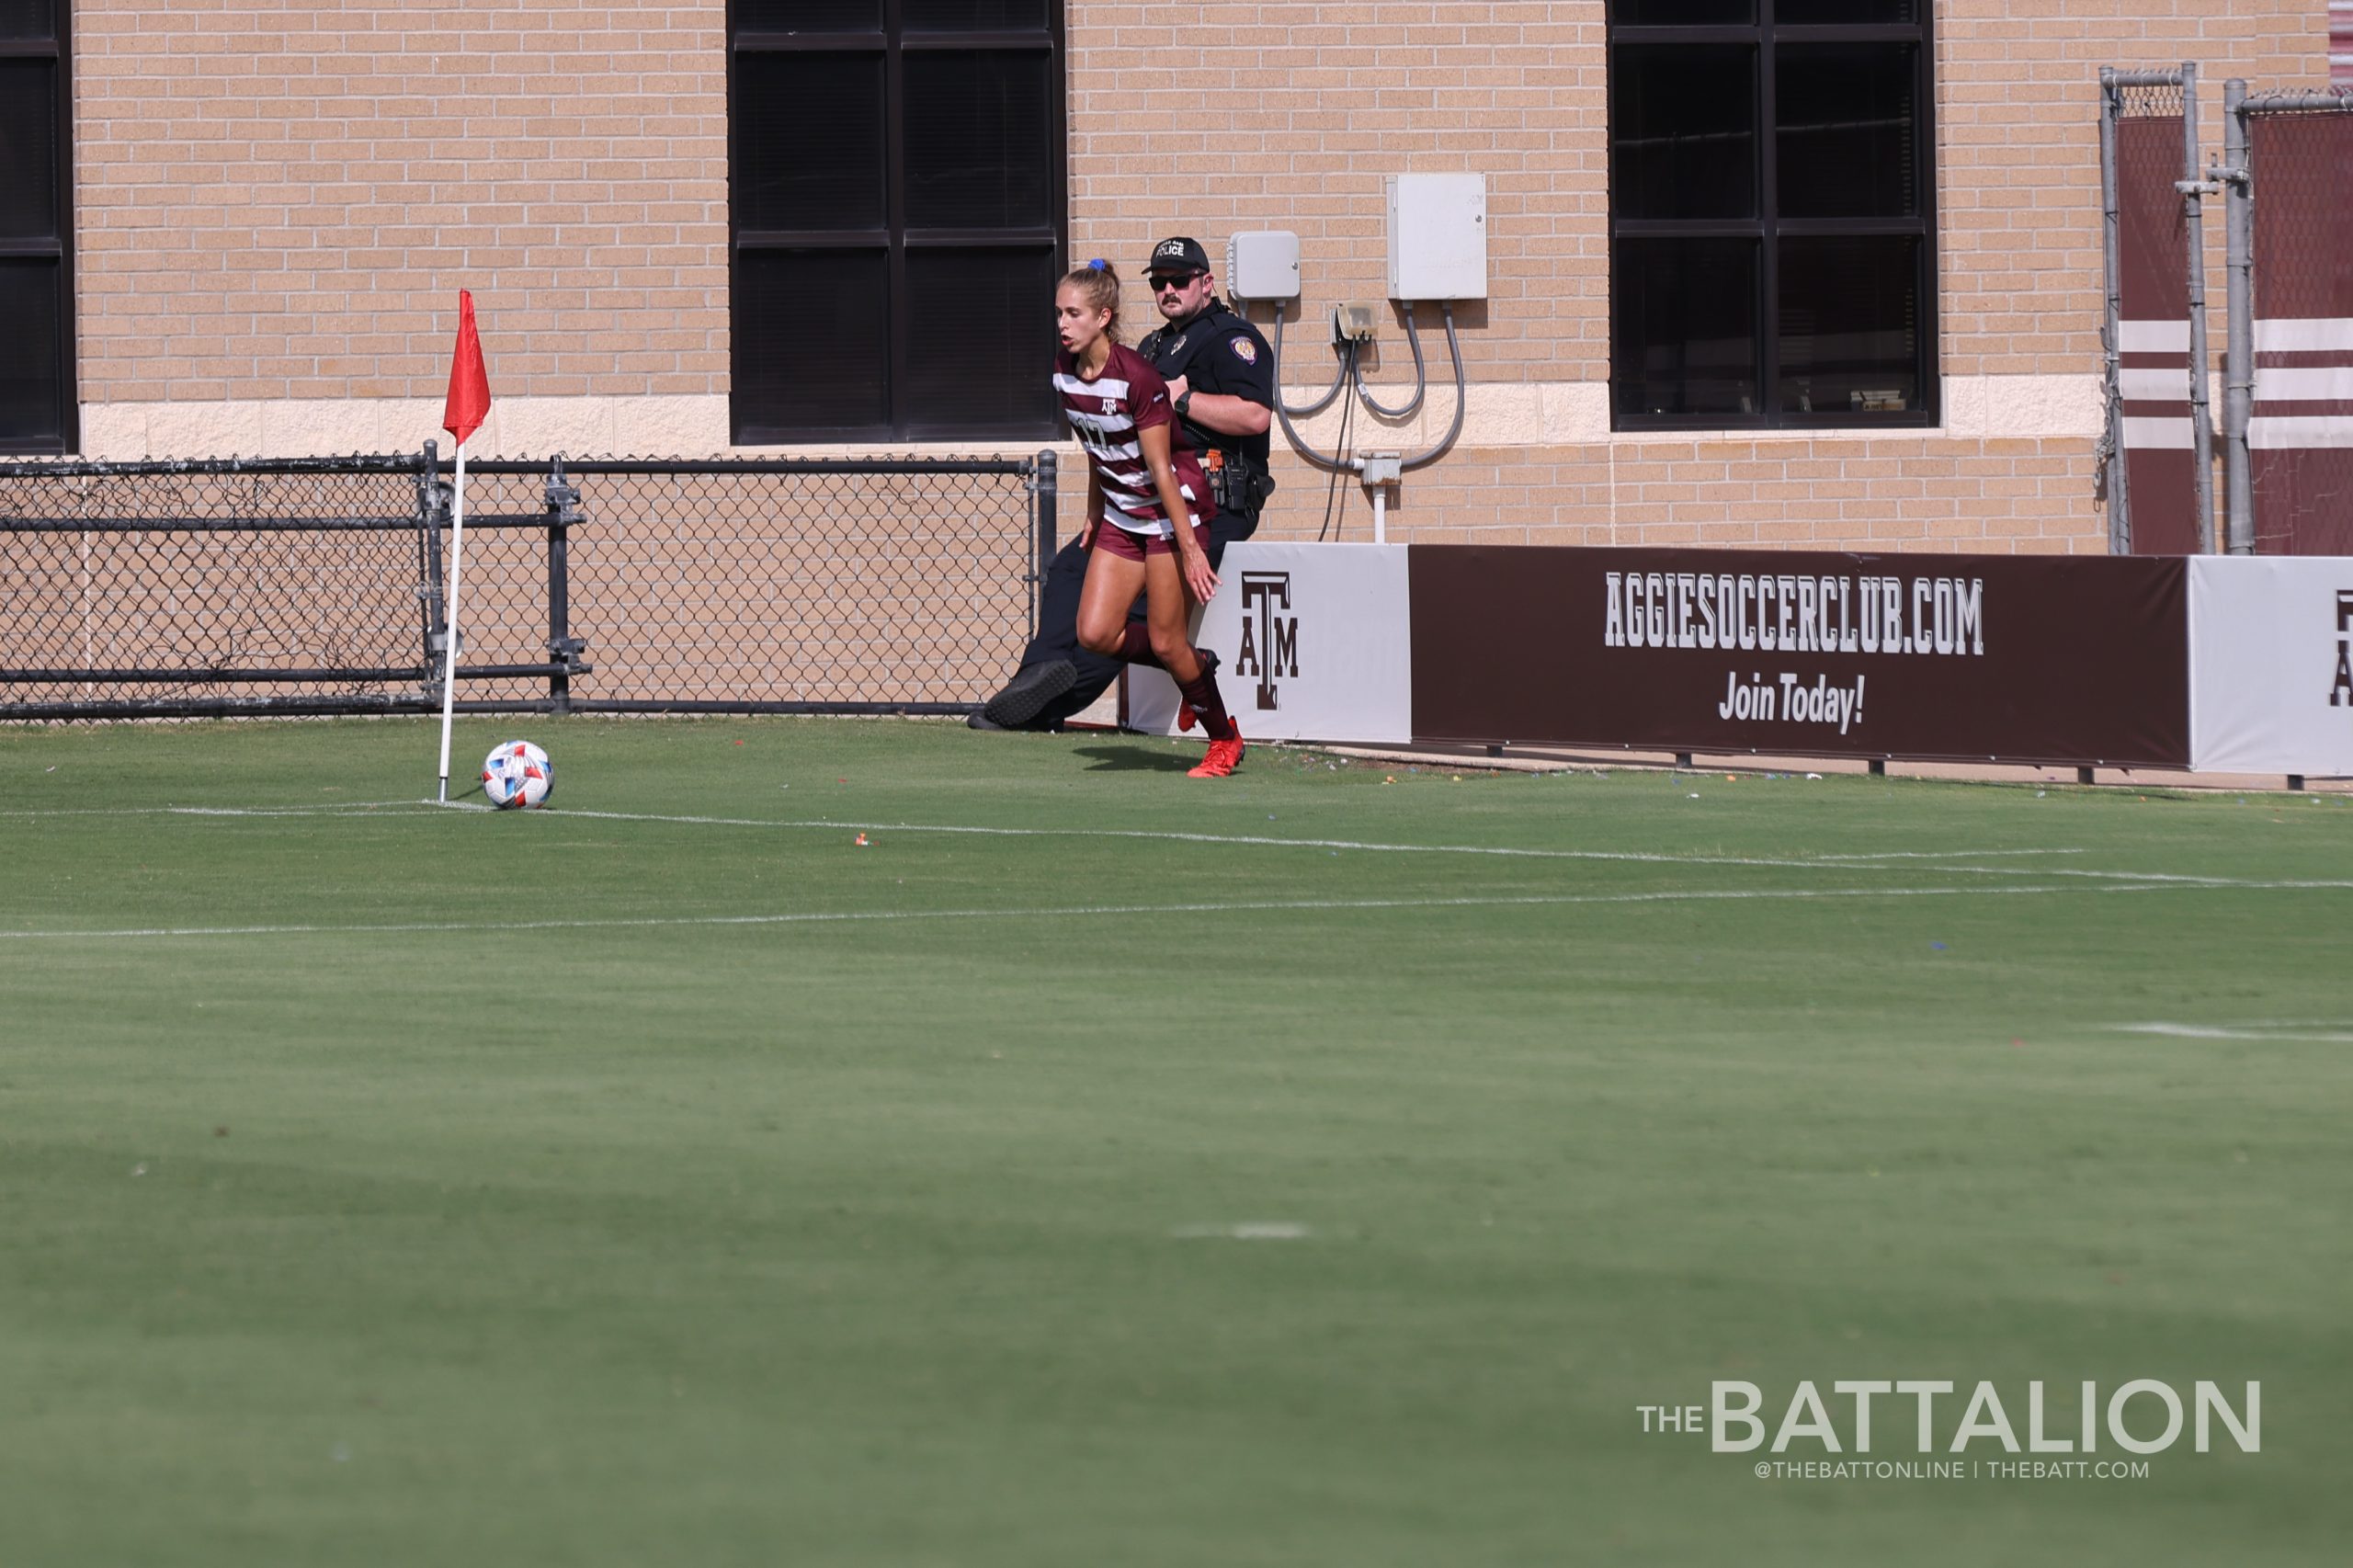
<point x="808" y="16"/>
<point x="1684" y="13"/>
<point x="897" y="178"/>
<point x="810" y="149"/>
<point x="1771" y="214"/>
<point x="37" y="402"/>
<point x="1687" y="309"/>
<point x="809" y="339"/>
<point x="976" y="16"/>
<point x="1685" y="131"/>
<point x="1846" y="134"/>
<point x="1847" y="13"/>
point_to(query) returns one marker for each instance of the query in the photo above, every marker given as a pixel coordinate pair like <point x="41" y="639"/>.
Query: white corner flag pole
<point x="449" y="652"/>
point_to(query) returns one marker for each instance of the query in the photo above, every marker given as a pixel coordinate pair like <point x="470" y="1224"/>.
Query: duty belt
<point x="1237" y="483"/>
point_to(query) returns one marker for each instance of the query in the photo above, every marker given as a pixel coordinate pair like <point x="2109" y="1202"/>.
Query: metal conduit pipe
<point x="1461" y="398"/>
<point x="1285" y="412"/>
<point x="1421" y="376"/>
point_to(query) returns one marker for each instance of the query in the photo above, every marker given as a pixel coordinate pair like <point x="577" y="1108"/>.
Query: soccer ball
<point x="517" y="774"/>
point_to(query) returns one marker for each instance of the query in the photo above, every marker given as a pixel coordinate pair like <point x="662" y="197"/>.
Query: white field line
<point x="1857" y="862"/>
<point x="337" y="807"/>
<point x="1270" y="840"/>
<point x="1865" y="862"/>
<point x="2122" y="876"/>
<point x="822" y="917"/>
<point x="1246" y="1230"/>
<point x="1945" y="854"/>
<point x="2235" y="1031"/>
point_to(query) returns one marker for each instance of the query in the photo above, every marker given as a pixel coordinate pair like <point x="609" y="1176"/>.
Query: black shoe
<point x="979" y="721"/>
<point x="1026" y="695"/>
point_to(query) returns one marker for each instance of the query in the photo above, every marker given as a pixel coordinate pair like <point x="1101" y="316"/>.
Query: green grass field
<point x="1101" y="1166"/>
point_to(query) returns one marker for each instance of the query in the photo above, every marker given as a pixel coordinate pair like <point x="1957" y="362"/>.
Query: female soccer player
<point x="1141" y="475"/>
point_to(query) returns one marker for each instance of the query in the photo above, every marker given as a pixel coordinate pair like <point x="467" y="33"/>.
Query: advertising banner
<point x="1963" y="657"/>
<point x="1313" y="640"/>
<point x="2271" y="665"/>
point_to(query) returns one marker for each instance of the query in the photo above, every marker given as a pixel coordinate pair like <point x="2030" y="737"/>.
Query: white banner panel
<point x="2271" y="665"/>
<point x="1316" y="641"/>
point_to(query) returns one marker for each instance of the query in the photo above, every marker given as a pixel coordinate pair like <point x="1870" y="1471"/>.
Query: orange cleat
<point x="1223" y="758"/>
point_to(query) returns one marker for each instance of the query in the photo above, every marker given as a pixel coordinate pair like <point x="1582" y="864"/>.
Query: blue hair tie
<point x="1099" y="265"/>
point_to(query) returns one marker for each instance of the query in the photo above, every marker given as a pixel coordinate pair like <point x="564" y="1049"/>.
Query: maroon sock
<point x="1202" y="694"/>
<point x="1135" y="645"/>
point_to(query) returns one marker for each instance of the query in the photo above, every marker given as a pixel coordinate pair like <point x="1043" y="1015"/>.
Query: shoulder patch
<point x="1244" y="349"/>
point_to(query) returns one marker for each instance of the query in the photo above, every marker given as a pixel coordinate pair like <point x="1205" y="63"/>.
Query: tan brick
<point x="281" y="200"/>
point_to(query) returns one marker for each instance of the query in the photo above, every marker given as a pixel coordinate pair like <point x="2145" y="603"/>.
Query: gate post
<point x="2109" y="481"/>
<point x="1043" y="504"/>
<point x="2201" y="420"/>
<point x="432" y="509"/>
<point x="2238" y="343"/>
<point x="563" y="649"/>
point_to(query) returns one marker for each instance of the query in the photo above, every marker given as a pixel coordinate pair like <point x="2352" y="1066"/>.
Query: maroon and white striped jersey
<point x="1106" y="415"/>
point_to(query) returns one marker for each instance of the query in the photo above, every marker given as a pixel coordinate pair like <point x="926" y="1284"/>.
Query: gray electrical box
<point x="1262" y="263"/>
<point x="1438" y="236"/>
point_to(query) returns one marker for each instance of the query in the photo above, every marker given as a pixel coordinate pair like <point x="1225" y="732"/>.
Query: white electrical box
<point x="1262" y="263"/>
<point x="1438" y="236"/>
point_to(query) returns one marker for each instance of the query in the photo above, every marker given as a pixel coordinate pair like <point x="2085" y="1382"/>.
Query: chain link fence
<point x="2288" y="426"/>
<point x="620" y="585"/>
<point x="2152" y="466"/>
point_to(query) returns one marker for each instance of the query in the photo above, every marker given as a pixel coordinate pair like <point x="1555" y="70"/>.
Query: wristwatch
<point x="1184" y="404"/>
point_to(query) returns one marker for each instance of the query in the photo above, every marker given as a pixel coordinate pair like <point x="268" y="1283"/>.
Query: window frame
<point x="894" y="40"/>
<point x="1763" y="35"/>
<point x="58" y="246"/>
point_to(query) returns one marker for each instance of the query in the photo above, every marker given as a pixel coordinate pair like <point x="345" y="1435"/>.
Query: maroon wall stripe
<point x="2152" y="255"/>
<point x="2152" y="272"/>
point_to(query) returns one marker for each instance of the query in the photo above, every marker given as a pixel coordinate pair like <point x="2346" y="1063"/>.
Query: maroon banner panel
<point x="2032" y="659"/>
<point x="2153" y="280"/>
<point x="2300" y="442"/>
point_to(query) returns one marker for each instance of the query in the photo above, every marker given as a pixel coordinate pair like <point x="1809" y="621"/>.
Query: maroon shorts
<point x="1116" y="540"/>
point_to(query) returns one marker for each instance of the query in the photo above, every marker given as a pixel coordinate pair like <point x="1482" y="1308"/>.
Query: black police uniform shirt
<point x="1221" y="353"/>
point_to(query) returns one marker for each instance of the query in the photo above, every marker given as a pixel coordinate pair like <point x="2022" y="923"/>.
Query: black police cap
<point x="1176" y="255"/>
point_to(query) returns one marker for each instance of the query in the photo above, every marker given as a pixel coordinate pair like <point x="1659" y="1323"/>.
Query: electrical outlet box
<point x="1262" y="263"/>
<point x="1438" y="236"/>
<point x="1355" y="323"/>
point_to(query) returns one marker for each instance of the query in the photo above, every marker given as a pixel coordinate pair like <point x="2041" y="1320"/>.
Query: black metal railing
<point x="321" y="586"/>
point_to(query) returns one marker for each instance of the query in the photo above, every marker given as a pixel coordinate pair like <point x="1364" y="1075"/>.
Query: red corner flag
<point x="468" y="402"/>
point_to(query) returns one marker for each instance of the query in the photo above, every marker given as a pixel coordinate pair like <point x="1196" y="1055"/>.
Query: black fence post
<point x="563" y="649"/>
<point x="1044" y="506"/>
<point x="435" y="600"/>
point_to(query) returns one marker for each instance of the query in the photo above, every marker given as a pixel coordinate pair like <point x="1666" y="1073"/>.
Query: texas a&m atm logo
<point x="2340" y="695"/>
<point x="1269" y="636"/>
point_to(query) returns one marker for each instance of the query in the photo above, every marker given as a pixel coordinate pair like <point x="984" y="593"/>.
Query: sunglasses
<point x="1164" y="283"/>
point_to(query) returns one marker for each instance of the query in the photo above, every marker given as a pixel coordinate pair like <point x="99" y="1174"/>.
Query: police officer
<point x="1221" y="379"/>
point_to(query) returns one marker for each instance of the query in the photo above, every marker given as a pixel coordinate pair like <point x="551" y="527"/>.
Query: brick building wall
<point x="277" y="200"/>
